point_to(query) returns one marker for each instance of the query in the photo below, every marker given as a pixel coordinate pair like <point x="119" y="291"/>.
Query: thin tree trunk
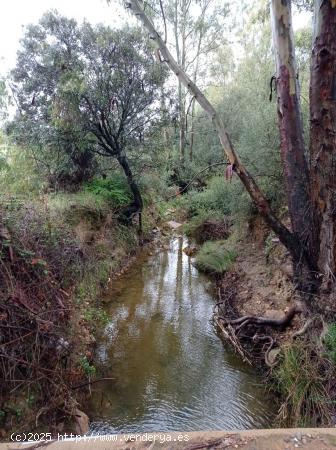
<point x="182" y="123"/>
<point x="257" y="196"/>
<point x="291" y="131"/>
<point x="136" y="206"/>
<point x="323" y="137"/>
<point x="180" y="55"/>
<point x="192" y="130"/>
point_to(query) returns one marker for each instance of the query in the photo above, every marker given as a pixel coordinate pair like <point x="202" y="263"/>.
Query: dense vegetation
<point x="95" y="154"/>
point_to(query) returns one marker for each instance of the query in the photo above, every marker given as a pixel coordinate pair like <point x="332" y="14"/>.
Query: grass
<point x="301" y="379"/>
<point x="215" y="257"/>
<point x="330" y="342"/>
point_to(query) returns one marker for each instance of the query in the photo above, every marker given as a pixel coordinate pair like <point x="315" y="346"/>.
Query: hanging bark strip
<point x="285" y="236"/>
<point x="323" y="137"/>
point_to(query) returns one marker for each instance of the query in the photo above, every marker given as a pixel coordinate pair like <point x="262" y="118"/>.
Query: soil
<point x="260" y="284"/>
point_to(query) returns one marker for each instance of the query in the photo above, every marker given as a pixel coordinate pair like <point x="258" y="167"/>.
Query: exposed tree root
<point x="249" y="329"/>
<point x="303" y="329"/>
<point x="265" y="321"/>
<point x="271" y="342"/>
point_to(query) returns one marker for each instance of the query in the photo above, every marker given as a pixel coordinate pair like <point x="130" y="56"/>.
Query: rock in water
<point x="81" y="422"/>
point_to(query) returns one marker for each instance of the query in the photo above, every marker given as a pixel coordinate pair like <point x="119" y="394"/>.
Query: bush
<point x="113" y="189"/>
<point x="215" y="257"/>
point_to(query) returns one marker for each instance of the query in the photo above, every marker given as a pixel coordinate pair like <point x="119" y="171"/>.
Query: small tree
<point x="93" y="85"/>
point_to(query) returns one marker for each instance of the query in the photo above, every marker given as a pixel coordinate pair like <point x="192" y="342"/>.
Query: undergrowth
<point x="215" y="257"/>
<point x="57" y="254"/>
<point x="35" y="349"/>
<point x="304" y="379"/>
<point x="113" y="189"/>
<point x="330" y="342"/>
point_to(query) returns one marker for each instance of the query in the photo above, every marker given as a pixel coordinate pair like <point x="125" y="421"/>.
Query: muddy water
<point x="171" y="371"/>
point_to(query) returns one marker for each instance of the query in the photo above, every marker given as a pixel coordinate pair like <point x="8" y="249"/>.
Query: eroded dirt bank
<point x="260" y="285"/>
<point x="263" y="317"/>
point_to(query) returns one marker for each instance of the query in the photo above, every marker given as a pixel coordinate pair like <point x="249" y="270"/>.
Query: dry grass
<point x="34" y="349"/>
<point x="305" y="380"/>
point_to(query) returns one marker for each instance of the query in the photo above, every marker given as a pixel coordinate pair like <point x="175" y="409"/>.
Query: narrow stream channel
<point x="171" y="371"/>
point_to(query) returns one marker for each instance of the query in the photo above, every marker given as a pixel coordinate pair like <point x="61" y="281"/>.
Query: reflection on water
<point x="171" y="371"/>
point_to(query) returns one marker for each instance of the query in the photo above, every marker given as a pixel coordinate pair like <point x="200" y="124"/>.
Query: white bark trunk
<point x="257" y="196"/>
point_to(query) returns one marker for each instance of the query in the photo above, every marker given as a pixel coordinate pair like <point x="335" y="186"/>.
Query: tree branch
<point x="257" y="196"/>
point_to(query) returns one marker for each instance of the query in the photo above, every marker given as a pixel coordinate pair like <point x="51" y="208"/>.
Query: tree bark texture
<point x="292" y="146"/>
<point x="136" y="206"/>
<point x="323" y="137"/>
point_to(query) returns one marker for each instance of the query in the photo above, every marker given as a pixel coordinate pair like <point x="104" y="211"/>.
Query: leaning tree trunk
<point x="323" y="137"/>
<point x="285" y="236"/>
<point x="291" y="137"/>
<point x="135" y="208"/>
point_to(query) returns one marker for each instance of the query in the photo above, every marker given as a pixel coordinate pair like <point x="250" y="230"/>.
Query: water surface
<point x="171" y="371"/>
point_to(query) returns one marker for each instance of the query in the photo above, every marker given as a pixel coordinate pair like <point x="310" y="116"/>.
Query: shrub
<point x="215" y="257"/>
<point x="113" y="189"/>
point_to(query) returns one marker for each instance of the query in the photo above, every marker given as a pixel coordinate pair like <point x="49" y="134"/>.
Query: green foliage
<point x="85" y="92"/>
<point x="96" y="316"/>
<point x="113" y="189"/>
<point x="252" y="124"/>
<point x="4" y="100"/>
<point x="88" y="368"/>
<point x="220" y="198"/>
<point x="300" y="381"/>
<point x="194" y="222"/>
<point x="330" y="342"/>
<point x="18" y="174"/>
<point x="215" y="257"/>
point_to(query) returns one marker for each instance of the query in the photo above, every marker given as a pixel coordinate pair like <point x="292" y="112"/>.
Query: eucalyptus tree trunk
<point x="323" y="137"/>
<point x="292" y="146"/>
<point x="285" y="236"/>
<point x="311" y="190"/>
<point x="192" y="130"/>
<point x="181" y="59"/>
<point x="192" y="119"/>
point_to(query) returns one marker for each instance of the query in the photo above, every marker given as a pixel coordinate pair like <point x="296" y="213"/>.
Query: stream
<point x="171" y="372"/>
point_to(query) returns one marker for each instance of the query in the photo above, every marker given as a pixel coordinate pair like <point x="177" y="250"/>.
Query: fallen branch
<point x="92" y="382"/>
<point x="229" y="333"/>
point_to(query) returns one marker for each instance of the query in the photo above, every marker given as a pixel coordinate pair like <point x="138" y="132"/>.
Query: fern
<point x="113" y="189"/>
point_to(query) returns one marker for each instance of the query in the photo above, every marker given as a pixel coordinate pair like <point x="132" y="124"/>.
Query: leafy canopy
<point x="84" y="91"/>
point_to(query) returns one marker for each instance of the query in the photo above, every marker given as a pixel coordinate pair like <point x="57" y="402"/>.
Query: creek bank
<point x="258" y="292"/>
<point x="61" y="252"/>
